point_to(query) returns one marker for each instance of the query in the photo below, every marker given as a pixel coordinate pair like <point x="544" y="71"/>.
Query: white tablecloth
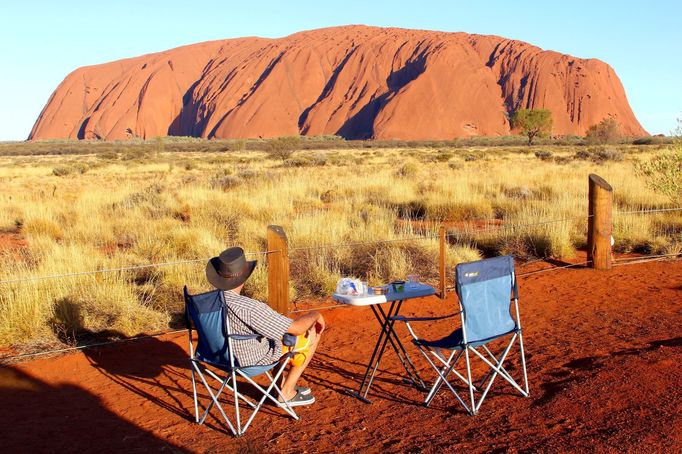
<point x="367" y="300"/>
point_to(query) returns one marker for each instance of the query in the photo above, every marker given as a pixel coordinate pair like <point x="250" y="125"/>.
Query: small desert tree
<point x="532" y="122"/>
<point x="282" y="147"/>
<point x="606" y="131"/>
<point x="664" y="172"/>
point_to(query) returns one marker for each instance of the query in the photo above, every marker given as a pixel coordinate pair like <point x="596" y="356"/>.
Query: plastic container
<point x="398" y="286"/>
<point x="379" y="290"/>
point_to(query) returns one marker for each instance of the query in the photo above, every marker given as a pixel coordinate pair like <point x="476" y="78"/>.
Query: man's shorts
<point x="302" y="349"/>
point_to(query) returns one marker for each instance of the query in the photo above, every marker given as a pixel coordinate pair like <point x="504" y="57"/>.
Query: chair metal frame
<point x="465" y="348"/>
<point x="199" y="366"/>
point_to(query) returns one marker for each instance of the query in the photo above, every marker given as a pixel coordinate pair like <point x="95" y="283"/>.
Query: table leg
<point x="388" y="334"/>
<point x="398" y="347"/>
<point x="376" y="355"/>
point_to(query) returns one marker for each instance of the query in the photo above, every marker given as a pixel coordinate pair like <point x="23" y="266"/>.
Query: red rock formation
<point x="356" y="81"/>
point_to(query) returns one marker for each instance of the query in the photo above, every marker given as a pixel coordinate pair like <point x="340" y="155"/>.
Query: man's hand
<point x="302" y="324"/>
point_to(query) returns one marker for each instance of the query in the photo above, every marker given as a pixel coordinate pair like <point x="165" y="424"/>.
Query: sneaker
<point x="303" y="390"/>
<point x="301" y="399"/>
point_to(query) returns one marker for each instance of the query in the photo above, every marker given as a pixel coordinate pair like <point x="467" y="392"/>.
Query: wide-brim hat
<point x="230" y="269"/>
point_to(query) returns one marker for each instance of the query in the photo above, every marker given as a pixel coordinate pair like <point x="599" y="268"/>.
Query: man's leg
<point x="295" y="372"/>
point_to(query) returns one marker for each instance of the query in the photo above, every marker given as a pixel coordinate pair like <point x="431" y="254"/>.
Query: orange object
<point x="302" y="348"/>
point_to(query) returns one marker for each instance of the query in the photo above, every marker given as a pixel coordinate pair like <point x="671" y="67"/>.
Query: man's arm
<point x="302" y="324"/>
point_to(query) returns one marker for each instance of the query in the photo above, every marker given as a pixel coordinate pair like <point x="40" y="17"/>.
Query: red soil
<point x="603" y="351"/>
<point x="12" y="241"/>
<point x="358" y="82"/>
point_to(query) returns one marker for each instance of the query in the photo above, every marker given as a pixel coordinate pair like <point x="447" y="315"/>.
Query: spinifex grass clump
<point x="348" y="217"/>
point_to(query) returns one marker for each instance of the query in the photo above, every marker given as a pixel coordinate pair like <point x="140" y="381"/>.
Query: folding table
<point x="387" y="332"/>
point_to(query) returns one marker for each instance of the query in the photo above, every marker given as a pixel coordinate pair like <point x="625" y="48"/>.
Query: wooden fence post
<point x="278" y="269"/>
<point x="600" y="223"/>
<point x="441" y="260"/>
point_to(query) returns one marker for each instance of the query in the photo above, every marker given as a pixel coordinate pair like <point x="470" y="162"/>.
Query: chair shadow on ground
<point x="159" y="371"/>
<point x="40" y="417"/>
<point x="344" y="378"/>
<point x="387" y="384"/>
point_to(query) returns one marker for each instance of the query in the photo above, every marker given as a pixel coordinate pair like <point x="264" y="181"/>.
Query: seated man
<point x="229" y="271"/>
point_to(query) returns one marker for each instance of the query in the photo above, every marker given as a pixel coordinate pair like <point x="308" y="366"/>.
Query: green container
<point x="398" y="286"/>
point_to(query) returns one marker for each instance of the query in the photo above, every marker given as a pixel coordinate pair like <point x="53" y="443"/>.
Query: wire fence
<point x="122" y="269"/>
<point x="455" y="234"/>
<point x="648" y="211"/>
<point x="4" y="359"/>
<point x="293" y="249"/>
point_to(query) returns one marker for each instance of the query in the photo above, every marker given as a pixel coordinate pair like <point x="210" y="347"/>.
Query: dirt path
<point x="603" y="352"/>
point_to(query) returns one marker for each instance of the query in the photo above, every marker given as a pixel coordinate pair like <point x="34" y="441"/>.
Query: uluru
<point x="357" y="82"/>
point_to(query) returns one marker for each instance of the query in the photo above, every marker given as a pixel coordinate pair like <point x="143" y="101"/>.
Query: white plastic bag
<point x="349" y="286"/>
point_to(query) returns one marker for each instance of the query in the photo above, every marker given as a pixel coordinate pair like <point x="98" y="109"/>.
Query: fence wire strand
<point x="654" y="210"/>
<point x="117" y="270"/>
<point x="645" y="258"/>
<point x="83" y="347"/>
<point x="554" y="268"/>
<point x="516" y="226"/>
<point x="363" y="243"/>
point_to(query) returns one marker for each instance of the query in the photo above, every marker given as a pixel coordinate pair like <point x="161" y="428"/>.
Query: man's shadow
<point x="40" y="417"/>
<point x="154" y="369"/>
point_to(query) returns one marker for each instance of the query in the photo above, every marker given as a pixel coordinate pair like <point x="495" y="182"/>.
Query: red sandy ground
<point x="603" y="351"/>
<point x="11" y="241"/>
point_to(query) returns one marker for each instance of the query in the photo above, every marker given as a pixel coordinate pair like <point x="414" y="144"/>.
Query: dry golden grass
<point x="100" y="211"/>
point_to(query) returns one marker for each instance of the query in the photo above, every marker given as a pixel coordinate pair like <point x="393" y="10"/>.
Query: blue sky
<point x="42" y="41"/>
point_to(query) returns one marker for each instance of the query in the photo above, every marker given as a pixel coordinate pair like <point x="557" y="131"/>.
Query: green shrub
<point x="247" y="174"/>
<point x="62" y="171"/>
<point x="224" y="182"/>
<point x="582" y="154"/>
<point x="606" y="131"/>
<point x="408" y="170"/>
<point x="532" y="123"/>
<point x="443" y="156"/>
<point x="543" y="155"/>
<point x="664" y="173"/>
<point x="282" y="147"/>
<point x="609" y="154"/>
<point x="298" y="161"/>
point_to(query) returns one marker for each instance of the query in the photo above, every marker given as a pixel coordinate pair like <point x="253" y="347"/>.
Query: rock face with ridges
<point x="357" y="82"/>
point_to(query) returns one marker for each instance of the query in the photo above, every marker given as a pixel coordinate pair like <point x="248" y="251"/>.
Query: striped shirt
<point x="246" y="315"/>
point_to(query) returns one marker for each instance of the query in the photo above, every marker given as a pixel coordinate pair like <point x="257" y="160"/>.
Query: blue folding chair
<point x="207" y="313"/>
<point x="486" y="289"/>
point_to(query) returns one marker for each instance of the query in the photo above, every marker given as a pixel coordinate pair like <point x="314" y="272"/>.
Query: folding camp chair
<point x="486" y="289"/>
<point x="207" y="312"/>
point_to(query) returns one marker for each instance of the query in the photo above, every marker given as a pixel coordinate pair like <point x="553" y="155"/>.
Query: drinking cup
<point x="413" y="281"/>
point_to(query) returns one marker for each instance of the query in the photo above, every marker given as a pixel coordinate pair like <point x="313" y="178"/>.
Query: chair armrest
<point x="401" y="318"/>
<point x="241" y="337"/>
